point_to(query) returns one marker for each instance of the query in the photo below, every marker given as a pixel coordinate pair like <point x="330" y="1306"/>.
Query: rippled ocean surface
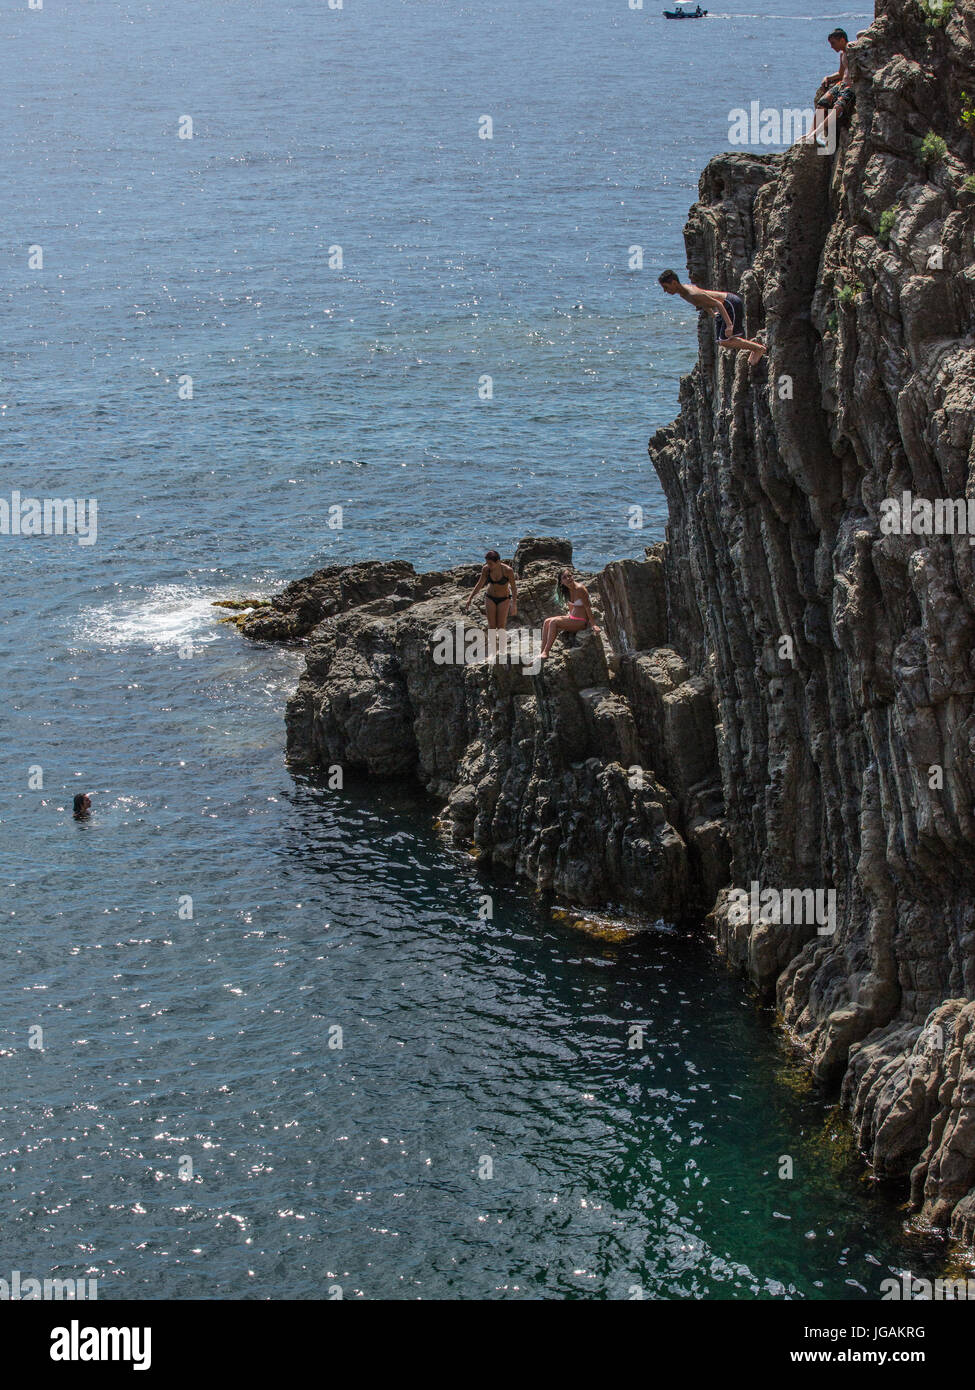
<point x="187" y="1127"/>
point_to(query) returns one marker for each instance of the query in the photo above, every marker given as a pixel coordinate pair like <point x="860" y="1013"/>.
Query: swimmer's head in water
<point x="82" y="804"/>
<point x="670" y="281"/>
<point x="492" y="557"/>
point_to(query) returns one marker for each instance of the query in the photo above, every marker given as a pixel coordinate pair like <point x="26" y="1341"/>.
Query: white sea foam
<point x="168" y="615"/>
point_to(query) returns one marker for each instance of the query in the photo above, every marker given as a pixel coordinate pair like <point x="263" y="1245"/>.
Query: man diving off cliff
<point x="726" y="305"/>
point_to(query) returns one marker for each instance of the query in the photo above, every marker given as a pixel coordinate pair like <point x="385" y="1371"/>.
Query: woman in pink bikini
<point x="579" y="613"/>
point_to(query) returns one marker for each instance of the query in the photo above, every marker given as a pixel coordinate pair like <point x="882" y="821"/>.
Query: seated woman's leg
<point x="558" y="625"/>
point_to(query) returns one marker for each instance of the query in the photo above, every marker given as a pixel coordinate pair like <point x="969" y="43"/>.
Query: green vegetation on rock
<point x="847" y="294"/>
<point x="936" y="12"/>
<point x="887" y="219"/>
<point x="932" y="149"/>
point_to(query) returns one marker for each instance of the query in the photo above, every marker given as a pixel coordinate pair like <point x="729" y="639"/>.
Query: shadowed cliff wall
<point x="840" y="658"/>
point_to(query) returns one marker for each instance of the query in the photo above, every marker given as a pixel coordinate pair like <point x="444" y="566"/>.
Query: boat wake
<point x="864" y="16"/>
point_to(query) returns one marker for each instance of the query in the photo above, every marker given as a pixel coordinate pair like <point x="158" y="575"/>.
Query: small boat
<point x="685" y="14"/>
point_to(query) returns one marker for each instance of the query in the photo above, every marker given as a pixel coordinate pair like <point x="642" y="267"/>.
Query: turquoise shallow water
<point x="614" y="1167"/>
<point x="207" y="1039"/>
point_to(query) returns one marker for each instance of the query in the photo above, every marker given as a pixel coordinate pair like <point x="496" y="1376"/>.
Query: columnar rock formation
<point x="784" y="690"/>
<point x="840" y="657"/>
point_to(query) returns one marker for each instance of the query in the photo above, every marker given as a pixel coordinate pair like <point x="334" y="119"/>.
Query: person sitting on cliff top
<point x="728" y="307"/>
<point x="578" y="616"/>
<point x="839" y="95"/>
<point x="501" y="595"/>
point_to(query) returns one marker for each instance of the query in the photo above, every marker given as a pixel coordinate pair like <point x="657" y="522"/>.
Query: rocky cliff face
<point x="549" y="771"/>
<point x="782" y="699"/>
<point x="840" y="656"/>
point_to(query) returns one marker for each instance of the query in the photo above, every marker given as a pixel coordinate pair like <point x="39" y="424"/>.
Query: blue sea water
<point x="188" y="1127"/>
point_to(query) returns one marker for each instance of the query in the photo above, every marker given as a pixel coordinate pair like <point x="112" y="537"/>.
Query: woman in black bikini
<point x="501" y="595"/>
<point x="579" y="613"/>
